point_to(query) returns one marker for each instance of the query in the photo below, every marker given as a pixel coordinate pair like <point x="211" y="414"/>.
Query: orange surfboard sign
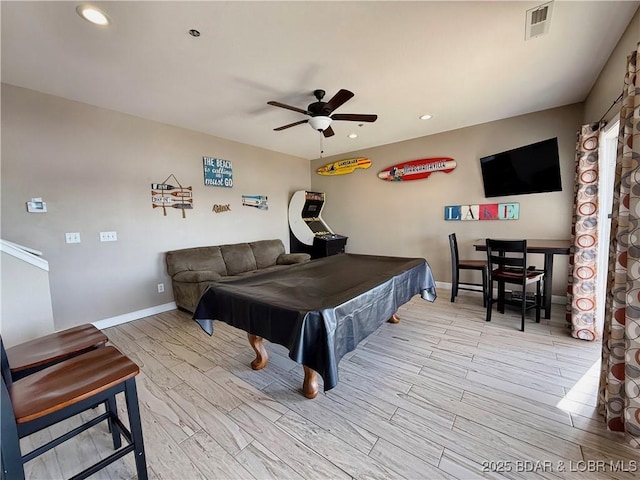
<point x="342" y="167"/>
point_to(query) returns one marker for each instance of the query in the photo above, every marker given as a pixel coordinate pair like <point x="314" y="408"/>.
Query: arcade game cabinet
<point x="307" y="231"/>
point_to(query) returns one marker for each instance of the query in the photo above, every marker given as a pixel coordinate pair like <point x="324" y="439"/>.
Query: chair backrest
<point x="4" y="363"/>
<point x="453" y="246"/>
<point x="507" y="254"/>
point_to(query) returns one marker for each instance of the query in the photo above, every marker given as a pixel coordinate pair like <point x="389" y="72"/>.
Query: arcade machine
<point x="307" y="231"/>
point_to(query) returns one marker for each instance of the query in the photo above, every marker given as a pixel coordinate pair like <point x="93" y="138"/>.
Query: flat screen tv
<point x="533" y="168"/>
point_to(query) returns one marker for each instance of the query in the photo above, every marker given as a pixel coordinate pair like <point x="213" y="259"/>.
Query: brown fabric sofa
<point x="193" y="269"/>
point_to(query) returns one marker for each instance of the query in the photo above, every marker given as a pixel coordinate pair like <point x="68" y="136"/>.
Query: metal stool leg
<point x="131" y="394"/>
<point x="12" y="465"/>
<point x="112" y="409"/>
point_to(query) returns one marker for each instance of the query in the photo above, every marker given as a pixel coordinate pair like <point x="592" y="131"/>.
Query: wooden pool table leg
<point x="262" y="358"/>
<point x="310" y="385"/>
<point x="394" y="318"/>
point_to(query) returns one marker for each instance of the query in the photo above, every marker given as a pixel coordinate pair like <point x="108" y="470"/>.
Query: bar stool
<point x="63" y="390"/>
<point x="34" y="355"/>
<point x="457" y="265"/>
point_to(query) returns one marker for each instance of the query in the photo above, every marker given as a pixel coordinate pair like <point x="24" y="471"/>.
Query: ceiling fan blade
<point x="290" y="125"/>
<point x="354" y="117"/>
<point x="338" y="99"/>
<point x="288" y="107"/>
<point x="328" y="132"/>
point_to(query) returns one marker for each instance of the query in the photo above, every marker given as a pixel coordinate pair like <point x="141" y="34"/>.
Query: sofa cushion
<point x="266" y="252"/>
<point x="291" y="258"/>
<point x="238" y="258"/>
<point x="198" y="258"/>
<point x="196" y="276"/>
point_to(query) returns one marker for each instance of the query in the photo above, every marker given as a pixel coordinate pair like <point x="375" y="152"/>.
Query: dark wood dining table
<point x="548" y="248"/>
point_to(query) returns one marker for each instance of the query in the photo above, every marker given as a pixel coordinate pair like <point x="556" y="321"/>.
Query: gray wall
<point x="611" y="79"/>
<point x="407" y="218"/>
<point x="94" y="168"/>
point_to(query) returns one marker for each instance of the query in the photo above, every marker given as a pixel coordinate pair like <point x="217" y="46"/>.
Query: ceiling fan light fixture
<point x="93" y="15"/>
<point x="320" y="122"/>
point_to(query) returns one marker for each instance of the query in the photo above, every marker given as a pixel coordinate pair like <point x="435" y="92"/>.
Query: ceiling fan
<point x="321" y="113"/>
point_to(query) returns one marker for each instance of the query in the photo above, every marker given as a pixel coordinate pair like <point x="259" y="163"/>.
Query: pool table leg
<point x="262" y="358"/>
<point x="394" y="318"/>
<point x="310" y="385"/>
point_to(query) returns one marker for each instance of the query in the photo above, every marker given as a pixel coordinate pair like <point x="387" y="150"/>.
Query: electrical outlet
<point x="72" y="237"/>
<point x="108" y="236"/>
<point x="160" y="287"/>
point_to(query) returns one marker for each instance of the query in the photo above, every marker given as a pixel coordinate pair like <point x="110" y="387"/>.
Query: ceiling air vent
<point x="538" y="20"/>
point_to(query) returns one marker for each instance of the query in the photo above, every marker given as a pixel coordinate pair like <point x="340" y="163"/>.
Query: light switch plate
<point x="72" y="237"/>
<point x="108" y="236"/>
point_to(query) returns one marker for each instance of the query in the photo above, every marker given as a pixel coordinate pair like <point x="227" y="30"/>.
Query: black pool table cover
<point x="318" y="310"/>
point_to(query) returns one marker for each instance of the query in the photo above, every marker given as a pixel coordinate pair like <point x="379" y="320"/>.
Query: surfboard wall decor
<point x="417" y="169"/>
<point x="342" y="167"/>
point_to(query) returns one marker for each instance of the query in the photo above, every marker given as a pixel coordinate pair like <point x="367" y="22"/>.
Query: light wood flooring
<point x="442" y="394"/>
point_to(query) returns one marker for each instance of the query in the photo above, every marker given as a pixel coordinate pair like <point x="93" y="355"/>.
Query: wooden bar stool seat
<point x="42" y="352"/>
<point x="64" y="390"/>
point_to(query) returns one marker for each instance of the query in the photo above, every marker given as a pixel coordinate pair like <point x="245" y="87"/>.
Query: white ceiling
<point x="463" y="62"/>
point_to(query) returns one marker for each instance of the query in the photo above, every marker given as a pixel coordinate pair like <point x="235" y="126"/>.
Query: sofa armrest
<point x="196" y="276"/>
<point x="291" y="258"/>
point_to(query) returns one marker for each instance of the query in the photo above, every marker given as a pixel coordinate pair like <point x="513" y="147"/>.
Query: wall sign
<point x="217" y="172"/>
<point x="417" y="169"/>
<point x="257" y="201"/>
<point x="218" y="208"/>
<point x="487" y="211"/>
<point x="164" y="195"/>
<point x="342" y="167"/>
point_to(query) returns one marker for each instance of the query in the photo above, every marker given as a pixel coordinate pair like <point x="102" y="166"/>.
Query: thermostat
<point x="36" y="205"/>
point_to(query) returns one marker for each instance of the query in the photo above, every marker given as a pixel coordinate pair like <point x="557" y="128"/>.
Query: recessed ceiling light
<point x="92" y="14"/>
<point x="194" y="33"/>
<point x="426" y="116"/>
<point x="353" y="135"/>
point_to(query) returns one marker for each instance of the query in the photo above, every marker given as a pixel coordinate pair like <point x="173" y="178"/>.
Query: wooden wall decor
<point x="257" y="201"/>
<point x="164" y="195"/>
<point x="487" y="211"/>
<point x="217" y="208"/>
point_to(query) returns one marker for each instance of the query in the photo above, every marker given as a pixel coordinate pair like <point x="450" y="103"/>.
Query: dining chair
<point x="457" y="265"/>
<point x="507" y="263"/>
<point x="63" y="390"/>
<point x="42" y="352"/>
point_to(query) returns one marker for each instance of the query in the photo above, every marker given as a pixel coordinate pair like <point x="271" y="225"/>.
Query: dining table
<point x="548" y="248"/>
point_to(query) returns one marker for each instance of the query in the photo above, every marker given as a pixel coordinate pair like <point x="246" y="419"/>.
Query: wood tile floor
<point x="442" y="394"/>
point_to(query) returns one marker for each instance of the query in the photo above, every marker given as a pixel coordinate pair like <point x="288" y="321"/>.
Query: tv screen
<point x="533" y="168"/>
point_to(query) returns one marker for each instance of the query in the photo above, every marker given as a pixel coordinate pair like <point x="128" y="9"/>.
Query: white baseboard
<point x="558" y="299"/>
<point x="128" y="317"/>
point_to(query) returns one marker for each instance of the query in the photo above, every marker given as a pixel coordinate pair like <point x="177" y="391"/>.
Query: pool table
<point x="318" y="310"/>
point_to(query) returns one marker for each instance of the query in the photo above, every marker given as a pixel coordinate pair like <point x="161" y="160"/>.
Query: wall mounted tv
<point x="533" y="168"/>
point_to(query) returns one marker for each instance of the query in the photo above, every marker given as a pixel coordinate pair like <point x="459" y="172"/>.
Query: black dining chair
<point x="507" y="263"/>
<point x="457" y="265"/>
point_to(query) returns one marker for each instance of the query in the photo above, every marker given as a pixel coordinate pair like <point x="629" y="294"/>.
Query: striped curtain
<point x="619" y="391"/>
<point x="583" y="257"/>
